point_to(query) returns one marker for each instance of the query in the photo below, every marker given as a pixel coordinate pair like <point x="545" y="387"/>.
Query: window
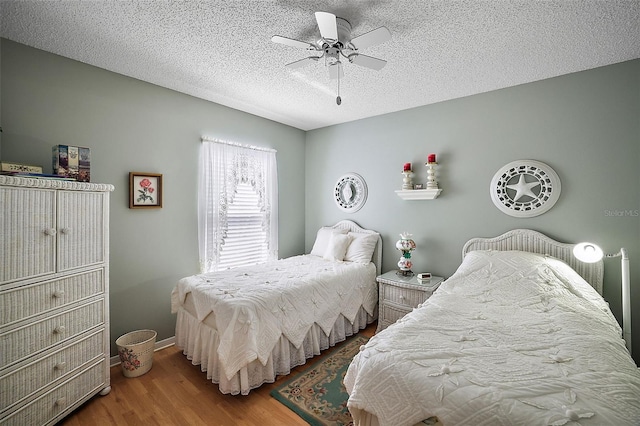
<point x="237" y="205"/>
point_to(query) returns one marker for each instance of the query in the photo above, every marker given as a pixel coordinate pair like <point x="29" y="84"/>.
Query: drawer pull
<point x="401" y="297"/>
<point x="60" y="366"/>
<point x="59" y="329"/>
<point x="50" y="231"/>
<point x="61" y="402"/>
<point x="66" y="231"/>
<point x="58" y="294"/>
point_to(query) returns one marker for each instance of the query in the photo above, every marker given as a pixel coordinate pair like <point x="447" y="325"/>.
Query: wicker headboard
<point x="536" y="242"/>
<point x="354" y="227"/>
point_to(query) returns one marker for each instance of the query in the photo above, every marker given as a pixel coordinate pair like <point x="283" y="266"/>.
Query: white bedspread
<point x="511" y="338"/>
<point x="254" y="306"/>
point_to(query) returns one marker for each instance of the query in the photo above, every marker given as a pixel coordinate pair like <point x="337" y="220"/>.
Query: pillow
<point x="322" y="240"/>
<point x="361" y="248"/>
<point x="337" y="247"/>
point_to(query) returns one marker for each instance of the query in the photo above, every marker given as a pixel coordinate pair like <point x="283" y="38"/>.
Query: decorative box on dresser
<point x="54" y="297"/>
<point x="399" y="294"/>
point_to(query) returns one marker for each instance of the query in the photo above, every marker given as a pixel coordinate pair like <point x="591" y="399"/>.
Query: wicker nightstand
<point x="398" y="296"/>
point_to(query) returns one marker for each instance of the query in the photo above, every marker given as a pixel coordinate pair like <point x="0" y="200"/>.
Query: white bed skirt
<point x="199" y="342"/>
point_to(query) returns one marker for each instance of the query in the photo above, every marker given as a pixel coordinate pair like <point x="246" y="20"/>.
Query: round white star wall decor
<point x="525" y="188"/>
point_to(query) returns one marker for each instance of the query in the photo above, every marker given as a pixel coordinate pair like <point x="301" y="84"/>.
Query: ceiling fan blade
<point x="327" y="25"/>
<point x="335" y="71"/>
<point x="302" y="62"/>
<point x="367" y="61"/>
<point x="373" y="37"/>
<point x="291" y="42"/>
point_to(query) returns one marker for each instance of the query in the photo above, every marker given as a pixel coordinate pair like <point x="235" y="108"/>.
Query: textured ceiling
<point x="220" y="50"/>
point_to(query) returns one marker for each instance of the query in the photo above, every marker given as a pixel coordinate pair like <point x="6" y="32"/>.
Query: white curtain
<point x="223" y="166"/>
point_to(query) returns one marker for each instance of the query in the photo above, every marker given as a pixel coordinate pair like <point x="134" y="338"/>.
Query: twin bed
<point x="246" y="326"/>
<point x="518" y="335"/>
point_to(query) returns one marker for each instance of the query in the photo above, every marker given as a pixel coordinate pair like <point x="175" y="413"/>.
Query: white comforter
<point x="511" y="338"/>
<point x="254" y="306"/>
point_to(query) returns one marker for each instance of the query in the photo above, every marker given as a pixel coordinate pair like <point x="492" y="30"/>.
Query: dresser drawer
<point x="24" y="302"/>
<point x="58" y="400"/>
<point x="30" y="378"/>
<point x="22" y="342"/>
<point x="403" y="296"/>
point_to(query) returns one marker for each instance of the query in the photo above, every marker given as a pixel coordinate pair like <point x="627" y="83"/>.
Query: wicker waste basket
<point x="135" y="350"/>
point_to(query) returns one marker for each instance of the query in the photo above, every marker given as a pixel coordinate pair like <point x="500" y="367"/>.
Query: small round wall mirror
<point x="350" y="192"/>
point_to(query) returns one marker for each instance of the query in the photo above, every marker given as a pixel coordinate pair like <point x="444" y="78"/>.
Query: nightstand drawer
<point x="392" y="313"/>
<point x="403" y="296"/>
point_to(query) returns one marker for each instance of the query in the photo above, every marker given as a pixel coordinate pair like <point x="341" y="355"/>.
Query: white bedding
<point x="254" y="307"/>
<point x="511" y="338"/>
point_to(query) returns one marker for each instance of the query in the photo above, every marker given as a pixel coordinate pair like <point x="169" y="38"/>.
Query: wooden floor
<point x="176" y="392"/>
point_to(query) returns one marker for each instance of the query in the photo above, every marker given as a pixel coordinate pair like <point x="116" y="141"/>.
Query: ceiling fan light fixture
<point x="344" y="31"/>
<point x="335" y="40"/>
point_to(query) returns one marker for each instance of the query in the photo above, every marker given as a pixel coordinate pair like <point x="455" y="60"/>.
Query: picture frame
<point x="145" y="190"/>
<point x="418" y="186"/>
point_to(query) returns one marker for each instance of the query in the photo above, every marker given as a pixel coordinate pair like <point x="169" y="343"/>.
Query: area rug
<point x="317" y="393"/>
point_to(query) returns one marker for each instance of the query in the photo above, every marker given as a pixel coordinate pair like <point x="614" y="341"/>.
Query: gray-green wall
<point x="135" y="126"/>
<point x="586" y="126"/>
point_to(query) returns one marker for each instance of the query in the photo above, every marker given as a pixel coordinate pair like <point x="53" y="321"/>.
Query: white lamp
<point x="590" y="253"/>
<point x="406" y="245"/>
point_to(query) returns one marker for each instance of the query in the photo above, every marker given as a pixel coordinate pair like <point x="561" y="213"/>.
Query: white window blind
<point x="237" y="205"/>
<point x="245" y="242"/>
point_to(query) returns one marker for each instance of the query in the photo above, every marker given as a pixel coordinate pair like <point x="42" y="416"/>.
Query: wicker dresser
<point x="398" y="295"/>
<point x="54" y="287"/>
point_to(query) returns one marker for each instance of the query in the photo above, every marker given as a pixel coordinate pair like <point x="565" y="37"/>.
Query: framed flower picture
<point x="145" y="190"/>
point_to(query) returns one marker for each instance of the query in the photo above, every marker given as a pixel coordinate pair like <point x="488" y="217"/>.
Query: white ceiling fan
<point x="335" y="42"/>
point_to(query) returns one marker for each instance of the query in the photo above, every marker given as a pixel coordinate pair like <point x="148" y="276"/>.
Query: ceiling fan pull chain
<point x="338" y="99"/>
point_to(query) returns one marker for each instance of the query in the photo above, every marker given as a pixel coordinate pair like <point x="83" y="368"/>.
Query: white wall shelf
<point x="418" y="194"/>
